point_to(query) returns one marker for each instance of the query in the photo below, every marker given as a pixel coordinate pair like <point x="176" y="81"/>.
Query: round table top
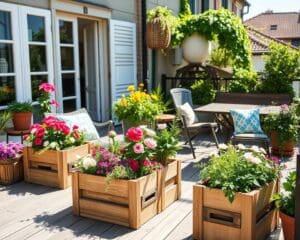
<point x="165" y="118"/>
<point x="12" y="131"/>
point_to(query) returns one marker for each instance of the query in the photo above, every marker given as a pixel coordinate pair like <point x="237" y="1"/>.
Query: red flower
<point x="38" y="141"/>
<point x="47" y="87"/>
<point x="75" y="127"/>
<point x="134" y="134"/>
<point x="49" y="120"/>
<point x="54" y="103"/>
<point x="146" y="163"/>
<point x="25" y="137"/>
<point x="76" y="135"/>
<point x="40" y="132"/>
<point x="133" y="164"/>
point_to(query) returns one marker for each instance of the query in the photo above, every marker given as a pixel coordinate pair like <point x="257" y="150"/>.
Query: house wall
<point x="32" y="3"/>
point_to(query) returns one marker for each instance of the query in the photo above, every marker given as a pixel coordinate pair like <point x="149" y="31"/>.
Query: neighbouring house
<point x="284" y="26"/>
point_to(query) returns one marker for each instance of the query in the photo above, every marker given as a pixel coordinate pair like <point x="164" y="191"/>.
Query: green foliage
<point x="286" y="201"/>
<point x="185" y="9"/>
<point x="17" y="107"/>
<point x="238" y="170"/>
<point x="221" y="57"/>
<point x="167" y="144"/>
<point x="285" y="123"/>
<point x="4" y="118"/>
<point x="222" y="25"/>
<point x="281" y="68"/>
<point x="120" y="172"/>
<point x="245" y="81"/>
<point x="203" y="92"/>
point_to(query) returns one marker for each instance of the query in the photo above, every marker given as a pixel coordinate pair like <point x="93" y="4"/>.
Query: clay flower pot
<point x="288" y="226"/>
<point x="22" y="120"/>
<point x="287" y="149"/>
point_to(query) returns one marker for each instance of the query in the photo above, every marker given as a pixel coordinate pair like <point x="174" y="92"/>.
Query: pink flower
<point x="134" y="134"/>
<point x="40" y="132"/>
<point x="54" y="103"/>
<point x="150" y="143"/>
<point x="47" y="87"/>
<point x="138" y="148"/>
<point x="75" y="127"/>
<point x="146" y="163"/>
<point x="133" y="164"/>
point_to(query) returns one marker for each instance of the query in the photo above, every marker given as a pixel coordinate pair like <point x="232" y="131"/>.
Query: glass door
<point x="68" y="64"/>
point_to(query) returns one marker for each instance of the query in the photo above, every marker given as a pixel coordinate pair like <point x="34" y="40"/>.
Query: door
<point x="92" y="81"/>
<point x="68" y="63"/>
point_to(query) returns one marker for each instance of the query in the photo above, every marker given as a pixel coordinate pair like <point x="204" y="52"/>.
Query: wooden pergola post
<point x="297" y="208"/>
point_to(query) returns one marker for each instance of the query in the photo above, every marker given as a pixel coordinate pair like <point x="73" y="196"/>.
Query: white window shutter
<point x="123" y="65"/>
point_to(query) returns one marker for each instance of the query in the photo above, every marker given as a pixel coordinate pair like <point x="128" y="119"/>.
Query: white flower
<point x="88" y="162"/>
<point x="149" y="132"/>
<point x="241" y="146"/>
<point x="46" y="143"/>
<point x="262" y="150"/>
<point x="143" y="127"/>
<point x="250" y="158"/>
<point x="161" y="126"/>
<point x="72" y="140"/>
<point x="53" y="145"/>
<point x="223" y="146"/>
<point x="255" y="149"/>
<point x="214" y="154"/>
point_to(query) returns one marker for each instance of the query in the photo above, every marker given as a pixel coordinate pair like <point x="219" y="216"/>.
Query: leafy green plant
<point x="244" y="81"/>
<point x="167" y="144"/>
<point x="282" y="66"/>
<point x="4" y="118"/>
<point x="220" y="57"/>
<point x="285" y="201"/>
<point x="185" y="9"/>
<point x="203" y="92"/>
<point x="16" y="107"/>
<point x="238" y="170"/>
<point x="285" y="123"/>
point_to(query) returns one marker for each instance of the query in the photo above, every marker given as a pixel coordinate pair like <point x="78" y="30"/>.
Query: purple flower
<point x="10" y="150"/>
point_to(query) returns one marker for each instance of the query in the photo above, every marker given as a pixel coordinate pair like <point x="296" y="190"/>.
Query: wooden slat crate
<point x="51" y="168"/>
<point x="125" y="202"/>
<point x="11" y="170"/>
<point x="169" y="184"/>
<point x="250" y="216"/>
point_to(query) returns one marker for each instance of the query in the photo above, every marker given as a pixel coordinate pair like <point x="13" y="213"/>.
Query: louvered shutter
<point x="122" y="57"/>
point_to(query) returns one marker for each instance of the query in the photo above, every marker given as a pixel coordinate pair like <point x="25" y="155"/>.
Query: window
<point x="192" y="5"/>
<point x="225" y="3"/>
<point x="204" y="5"/>
<point x="295" y="42"/>
<point x="273" y="27"/>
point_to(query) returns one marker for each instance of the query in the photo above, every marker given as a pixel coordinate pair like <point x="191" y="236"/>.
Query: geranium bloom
<point x="134" y="134"/>
<point x="133" y="164"/>
<point x="146" y="163"/>
<point x="150" y="143"/>
<point x="138" y="148"/>
<point x="38" y="141"/>
<point x="54" y="103"/>
<point x="47" y="87"/>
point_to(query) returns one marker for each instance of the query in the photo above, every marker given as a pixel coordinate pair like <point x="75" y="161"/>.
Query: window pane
<point x="36" y="28"/>
<point x="37" y="58"/>
<point x="5" y="26"/>
<point x="6" y="58"/>
<point x="65" y="31"/>
<point x="7" y="90"/>
<point x="68" y="84"/>
<point x="35" y="82"/>
<point x="67" y="58"/>
<point x="69" y="105"/>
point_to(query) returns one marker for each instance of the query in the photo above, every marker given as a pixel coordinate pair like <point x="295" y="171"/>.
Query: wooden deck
<point x="30" y="211"/>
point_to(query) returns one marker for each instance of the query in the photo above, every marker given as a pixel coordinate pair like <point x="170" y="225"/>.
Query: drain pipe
<point x="144" y="45"/>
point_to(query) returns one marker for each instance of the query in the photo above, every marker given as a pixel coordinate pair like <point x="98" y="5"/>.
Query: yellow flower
<point x="154" y="97"/>
<point x="130" y="88"/>
<point x="123" y="102"/>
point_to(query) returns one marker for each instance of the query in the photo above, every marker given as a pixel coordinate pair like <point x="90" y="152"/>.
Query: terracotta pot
<point x="22" y="120"/>
<point x="288" y="226"/>
<point x="287" y="149"/>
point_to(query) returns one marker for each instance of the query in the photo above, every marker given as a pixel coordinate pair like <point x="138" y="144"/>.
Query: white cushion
<point x="187" y="111"/>
<point x="80" y="118"/>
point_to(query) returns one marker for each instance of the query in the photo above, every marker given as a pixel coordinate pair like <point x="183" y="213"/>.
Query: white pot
<point x="196" y="48"/>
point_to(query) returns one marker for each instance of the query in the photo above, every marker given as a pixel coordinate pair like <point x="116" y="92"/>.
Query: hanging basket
<point x="158" y="37"/>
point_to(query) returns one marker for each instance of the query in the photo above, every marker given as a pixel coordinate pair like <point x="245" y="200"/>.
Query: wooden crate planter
<point x="169" y="184"/>
<point x="11" y="170"/>
<point x="125" y="202"/>
<point x="51" y="168"/>
<point x="249" y="217"/>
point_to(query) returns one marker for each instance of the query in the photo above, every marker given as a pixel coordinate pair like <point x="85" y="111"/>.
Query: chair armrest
<point x="109" y="124"/>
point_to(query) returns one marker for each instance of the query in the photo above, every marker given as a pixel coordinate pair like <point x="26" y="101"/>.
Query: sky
<point x="259" y="6"/>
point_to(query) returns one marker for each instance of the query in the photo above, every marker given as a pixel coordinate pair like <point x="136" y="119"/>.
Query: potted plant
<point x="4" y="118"/>
<point x="170" y="174"/>
<point x="11" y="164"/>
<point x="283" y="127"/>
<point x="139" y="107"/>
<point x="285" y="202"/>
<point x="118" y="184"/>
<point x="46" y="89"/>
<point x="234" y="195"/>
<point x="52" y="147"/>
<point x="21" y="114"/>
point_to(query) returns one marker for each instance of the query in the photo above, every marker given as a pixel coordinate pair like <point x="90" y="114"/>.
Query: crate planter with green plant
<point x="21" y="115"/>
<point x="52" y="148"/>
<point x="285" y="202"/>
<point x="118" y="184"/>
<point x="234" y="195"/>
<point x="11" y="162"/>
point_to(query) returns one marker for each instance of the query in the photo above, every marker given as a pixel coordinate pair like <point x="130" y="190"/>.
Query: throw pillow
<point x="246" y="121"/>
<point x="187" y="111"/>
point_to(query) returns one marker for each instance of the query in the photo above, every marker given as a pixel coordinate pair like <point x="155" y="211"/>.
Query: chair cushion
<point x="187" y="111"/>
<point x="80" y="118"/>
<point x="251" y="135"/>
<point x="246" y="121"/>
